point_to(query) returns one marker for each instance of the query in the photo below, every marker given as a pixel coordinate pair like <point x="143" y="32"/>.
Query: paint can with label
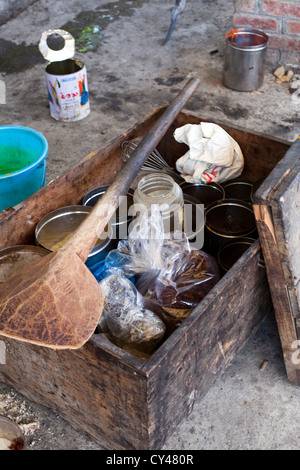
<point x="66" y="77"/>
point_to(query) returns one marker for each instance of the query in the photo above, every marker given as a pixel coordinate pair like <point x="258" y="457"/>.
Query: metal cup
<point x="244" y="59"/>
<point x="120" y="223"/>
<point x="238" y="188"/>
<point x="227" y="220"/>
<point x="232" y="250"/>
<point x="204" y="193"/>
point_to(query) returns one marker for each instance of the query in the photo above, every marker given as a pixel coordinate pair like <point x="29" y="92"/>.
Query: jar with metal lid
<point x="160" y="189"/>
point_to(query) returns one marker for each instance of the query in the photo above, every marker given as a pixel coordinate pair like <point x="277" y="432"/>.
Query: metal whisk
<point x="154" y="162"/>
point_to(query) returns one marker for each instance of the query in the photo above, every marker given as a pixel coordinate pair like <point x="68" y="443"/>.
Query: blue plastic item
<point x="32" y="146"/>
<point x="112" y="263"/>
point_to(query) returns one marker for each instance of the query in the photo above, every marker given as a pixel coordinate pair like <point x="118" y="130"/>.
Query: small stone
<point x="263" y="365"/>
<point x="279" y="72"/>
<point x="286" y="77"/>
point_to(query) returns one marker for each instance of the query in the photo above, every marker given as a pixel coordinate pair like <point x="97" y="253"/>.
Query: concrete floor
<point x="130" y="73"/>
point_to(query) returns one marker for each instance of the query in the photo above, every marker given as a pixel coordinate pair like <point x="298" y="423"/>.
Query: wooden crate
<point x="119" y="400"/>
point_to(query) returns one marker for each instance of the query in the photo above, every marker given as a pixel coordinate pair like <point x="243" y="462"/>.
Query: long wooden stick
<point x="84" y="239"/>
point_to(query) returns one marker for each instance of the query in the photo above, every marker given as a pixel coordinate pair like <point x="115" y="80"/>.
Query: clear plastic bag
<point x="183" y="283"/>
<point x="127" y="319"/>
<point x="168" y="271"/>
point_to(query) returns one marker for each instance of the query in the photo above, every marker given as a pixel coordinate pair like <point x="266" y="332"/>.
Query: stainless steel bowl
<point x="55" y="228"/>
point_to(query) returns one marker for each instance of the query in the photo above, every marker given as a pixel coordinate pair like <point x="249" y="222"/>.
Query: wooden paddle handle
<point x="85" y="237"/>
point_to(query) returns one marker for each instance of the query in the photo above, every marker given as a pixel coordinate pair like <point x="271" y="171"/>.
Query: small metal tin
<point x="238" y="188"/>
<point x="204" y="193"/>
<point x="16" y="257"/>
<point x="60" y="223"/>
<point x="231" y="251"/>
<point x="228" y="219"/>
<point x="120" y="223"/>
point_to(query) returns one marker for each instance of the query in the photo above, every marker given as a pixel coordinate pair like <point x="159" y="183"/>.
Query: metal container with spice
<point x="238" y="188"/>
<point x="232" y="250"/>
<point x="226" y="220"/>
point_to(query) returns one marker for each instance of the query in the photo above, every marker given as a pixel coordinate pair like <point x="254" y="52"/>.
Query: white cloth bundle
<point x="213" y="154"/>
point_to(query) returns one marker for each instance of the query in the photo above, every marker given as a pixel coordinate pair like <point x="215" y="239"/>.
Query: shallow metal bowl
<point x="56" y="226"/>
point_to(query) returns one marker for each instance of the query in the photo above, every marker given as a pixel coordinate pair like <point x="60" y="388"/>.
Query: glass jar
<point x="161" y="190"/>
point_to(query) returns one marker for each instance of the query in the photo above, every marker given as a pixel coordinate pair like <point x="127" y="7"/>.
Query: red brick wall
<point x="280" y="19"/>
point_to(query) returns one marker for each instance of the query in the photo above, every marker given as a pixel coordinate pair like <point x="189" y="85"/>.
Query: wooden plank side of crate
<point x="98" y="389"/>
<point x="187" y="365"/>
<point x="277" y="211"/>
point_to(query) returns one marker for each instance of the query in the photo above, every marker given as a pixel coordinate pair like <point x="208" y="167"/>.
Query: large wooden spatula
<point x="56" y="302"/>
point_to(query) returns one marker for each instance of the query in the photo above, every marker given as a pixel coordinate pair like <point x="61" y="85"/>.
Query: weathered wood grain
<point x="277" y="210"/>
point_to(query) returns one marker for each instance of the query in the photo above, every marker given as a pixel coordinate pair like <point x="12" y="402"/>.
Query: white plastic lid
<point x="68" y="50"/>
